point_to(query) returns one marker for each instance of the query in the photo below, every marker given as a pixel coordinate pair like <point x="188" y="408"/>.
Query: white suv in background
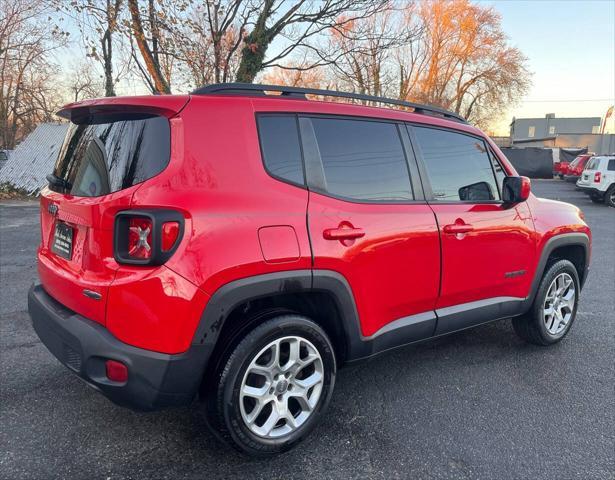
<point x="598" y="179"/>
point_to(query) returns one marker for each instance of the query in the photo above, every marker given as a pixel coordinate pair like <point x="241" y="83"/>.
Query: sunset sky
<point x="571" y="50"/>
<point x="570" y="46"/>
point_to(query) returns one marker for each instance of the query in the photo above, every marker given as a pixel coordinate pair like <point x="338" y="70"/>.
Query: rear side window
<point x="611" y="166"/>
<point x="362" y="160"/>
<point x="98" y="158"/>
<point x="279" y="138"/>
<point x="458" y="166"/>
<point x="593" y="164"/>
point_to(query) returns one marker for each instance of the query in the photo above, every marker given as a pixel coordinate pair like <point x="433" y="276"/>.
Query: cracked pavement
<point x="478" y="404"/>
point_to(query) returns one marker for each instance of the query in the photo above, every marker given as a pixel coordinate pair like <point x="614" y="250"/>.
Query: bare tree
<point x="82" y="83"/>
<point x="298" y="22"/>
<point x="360" y="55"/>
<point x="28" y="94"/>
<point x="206" y="36"/>
<point x="98" y="21"/>
<point x="463" y="61"/>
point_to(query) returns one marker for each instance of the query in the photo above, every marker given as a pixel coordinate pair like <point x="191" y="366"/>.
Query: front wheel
<point x="555" y="306"/>
<point x="274" y="387"/>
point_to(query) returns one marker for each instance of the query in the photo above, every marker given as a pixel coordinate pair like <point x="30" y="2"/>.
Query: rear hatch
<point x="588" y="175"/>
<point x="111" y="147"/>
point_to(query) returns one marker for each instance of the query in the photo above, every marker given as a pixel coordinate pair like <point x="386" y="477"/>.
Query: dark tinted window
<point x="362" y="160"/>
<point x="279" y="139"/>
<point x="101" y="158"/>
<point x="611" y="166"/>
<point x="458" y="166"/>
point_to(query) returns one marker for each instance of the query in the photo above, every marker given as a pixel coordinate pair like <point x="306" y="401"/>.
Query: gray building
<point x="550" y="126"/>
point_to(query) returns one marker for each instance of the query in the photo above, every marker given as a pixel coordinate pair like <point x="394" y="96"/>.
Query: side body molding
<point x="398" y="333"/>
<point x="231" y="295"/>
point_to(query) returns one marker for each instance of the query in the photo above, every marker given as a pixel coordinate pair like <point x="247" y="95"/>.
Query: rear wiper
<point x="58" y="182"/>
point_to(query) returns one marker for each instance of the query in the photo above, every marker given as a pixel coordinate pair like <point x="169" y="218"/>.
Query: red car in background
<point x="572" y="171"/>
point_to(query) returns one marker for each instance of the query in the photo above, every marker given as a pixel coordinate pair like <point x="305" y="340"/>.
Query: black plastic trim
<point x="158" y="219"/>
<point x="300" y="93"/>
<point x="466" y="315"/>
<point x="561" y="240"/>
<point x="155" y="380"/>
<point x="398" y="333"/>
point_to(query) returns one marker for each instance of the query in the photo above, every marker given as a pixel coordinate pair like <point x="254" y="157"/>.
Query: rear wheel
<point x="274" y="387"/>
<point x="554" y="308"/>
<point x="609" y="197"/>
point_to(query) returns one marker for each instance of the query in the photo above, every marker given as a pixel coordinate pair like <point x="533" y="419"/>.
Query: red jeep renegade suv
<point x="239" y="246"/>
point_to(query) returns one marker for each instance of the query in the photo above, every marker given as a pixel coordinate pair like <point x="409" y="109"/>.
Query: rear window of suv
<point x="113" y="153"/>
<point x="593" y="164"/>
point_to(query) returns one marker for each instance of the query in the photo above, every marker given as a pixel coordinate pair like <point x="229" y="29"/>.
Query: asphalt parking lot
<point x="477" y="404"/>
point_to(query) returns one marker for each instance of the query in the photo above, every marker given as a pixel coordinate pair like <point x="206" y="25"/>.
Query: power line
<point x="568" y="101"/>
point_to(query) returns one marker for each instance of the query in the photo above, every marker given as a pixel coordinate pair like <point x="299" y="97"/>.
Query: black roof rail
<point x="300" y="93"/>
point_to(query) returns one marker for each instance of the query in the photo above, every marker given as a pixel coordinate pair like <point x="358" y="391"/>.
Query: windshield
<point x="102" y="157"/>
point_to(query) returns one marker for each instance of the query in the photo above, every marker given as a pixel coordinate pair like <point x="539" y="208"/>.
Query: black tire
<point x="223" y="399"/>
<point x="531" y="326"/>
<point x="609" y="196"/>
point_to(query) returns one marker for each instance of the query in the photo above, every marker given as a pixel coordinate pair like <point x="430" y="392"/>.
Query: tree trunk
<point x="108" y="65"/>
<point x="256" y="44"/>
<point x="153" y="67"/>
<point x="253" y="55"/>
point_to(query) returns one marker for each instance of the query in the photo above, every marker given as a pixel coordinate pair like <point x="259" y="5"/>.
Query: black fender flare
<point x="557" y="241"/>
<point x="356" y="346"/>
<point x="231" y="295"/>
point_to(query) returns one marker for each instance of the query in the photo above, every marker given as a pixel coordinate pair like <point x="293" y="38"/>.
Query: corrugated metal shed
<point x="4" y="156"/>
<point x="34" y="158"/>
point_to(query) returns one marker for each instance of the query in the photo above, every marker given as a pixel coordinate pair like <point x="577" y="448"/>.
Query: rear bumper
<point x="590" y="190"/>
<point x="155" y="380"/>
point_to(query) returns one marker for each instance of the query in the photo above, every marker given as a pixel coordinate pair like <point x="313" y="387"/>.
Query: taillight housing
<point x="146" y="237"/>
<point x="597" y="177"/>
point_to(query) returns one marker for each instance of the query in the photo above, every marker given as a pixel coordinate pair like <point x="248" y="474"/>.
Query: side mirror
<point x="515" y="189"/>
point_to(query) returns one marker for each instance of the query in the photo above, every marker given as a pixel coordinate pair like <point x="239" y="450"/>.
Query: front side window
<point x="611" y="166"/>
<point x="106" y="155"/>
<point x="280" y="147"/>
<point x="458" y="166"/>
<point x="363" y="160"/>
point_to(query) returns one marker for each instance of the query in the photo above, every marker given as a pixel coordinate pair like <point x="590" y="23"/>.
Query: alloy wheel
<point x="281" y="387"/>
<point x="559" y="304"/>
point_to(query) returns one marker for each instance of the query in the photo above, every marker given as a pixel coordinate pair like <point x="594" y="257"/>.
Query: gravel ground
<point x="477" y="404"/>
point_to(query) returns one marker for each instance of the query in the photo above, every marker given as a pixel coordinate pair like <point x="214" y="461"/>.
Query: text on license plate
<point x="63" y="240"/>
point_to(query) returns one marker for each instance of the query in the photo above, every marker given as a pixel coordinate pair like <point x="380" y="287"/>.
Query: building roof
<point x="556" y="118"/>
<point x="34" y="158"/>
